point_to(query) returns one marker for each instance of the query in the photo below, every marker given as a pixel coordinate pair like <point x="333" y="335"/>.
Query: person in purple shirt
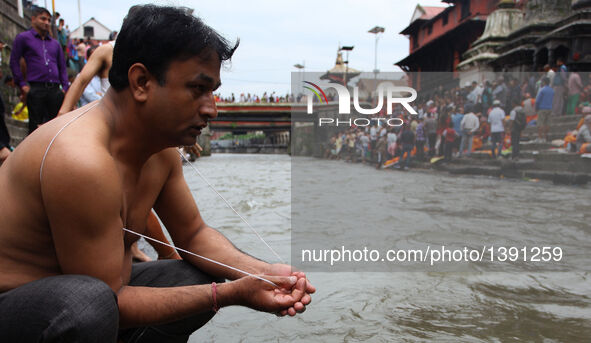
<point x="45" y="69"/>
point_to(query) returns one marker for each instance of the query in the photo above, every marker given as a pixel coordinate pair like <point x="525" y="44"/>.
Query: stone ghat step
<point x="557" y="177"/>
<point x="525" y="146"/>
<point x="571" y="163"/>
<point x="489" y="161"/>
<point x="572" y="118"/>
<point x="535" y="148"/>
<point x="556" y="127"/>
<point x="554" y="155"/>
<point x="552" y="135"/>
<point x="537" y="155"/>
<point x="17" y="129"/>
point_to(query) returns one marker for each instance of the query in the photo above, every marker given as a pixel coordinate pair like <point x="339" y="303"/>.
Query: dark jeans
<point x="447" y="150"/>
<point x="432" y="138"/>
<point x="64" y="308"/>
<point x="442" y="146"/>
<point x="420" y="155"/>
<point x="496" y="138"/>
<point x="79" y="308"/>
<point x="43" y="104"/>
<point x="406" y="149"/>
<point x="515" y="138"/>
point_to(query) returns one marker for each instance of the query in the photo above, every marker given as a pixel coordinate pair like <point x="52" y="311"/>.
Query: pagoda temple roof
<point x="422" y="14"/>
<point x="336" y="73"/>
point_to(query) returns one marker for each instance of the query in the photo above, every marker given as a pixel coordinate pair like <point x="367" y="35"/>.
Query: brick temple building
<point x="473" y="39"/>
<point x="439" y="36"/>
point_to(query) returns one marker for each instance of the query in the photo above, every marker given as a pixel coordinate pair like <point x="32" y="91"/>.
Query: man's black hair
<point x="90" y="50"/>
<point x="35" y="11"/>
<point x="545" y="80"/>
<point x="157" y="35"/>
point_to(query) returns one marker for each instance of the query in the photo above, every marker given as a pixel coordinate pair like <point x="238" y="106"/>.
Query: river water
<point x="464" y="306"/>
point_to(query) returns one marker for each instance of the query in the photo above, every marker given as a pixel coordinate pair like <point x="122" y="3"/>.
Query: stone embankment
<point x="538" y="161"/>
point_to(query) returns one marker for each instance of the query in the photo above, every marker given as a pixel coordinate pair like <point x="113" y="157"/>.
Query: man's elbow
<point x="81" y="81"/>
<point x="116" y="284"/>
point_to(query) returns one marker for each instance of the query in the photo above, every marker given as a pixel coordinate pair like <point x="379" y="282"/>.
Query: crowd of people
<point x="44" y="61"/>
<point x="459" y="121"/>
<point x="491" y="108"/>
<point x="267" y="97"/>
<point x="248" y="98"/>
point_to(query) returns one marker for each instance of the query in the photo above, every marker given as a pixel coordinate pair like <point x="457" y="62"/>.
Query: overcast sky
<point x="275" y="35"/>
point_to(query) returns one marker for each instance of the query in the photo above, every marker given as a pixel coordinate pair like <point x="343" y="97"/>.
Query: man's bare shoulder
<point x="80" y="154"/>
<point x="169" y="156"/>
<point x="104" y="51"/>
<point x="165" y="162"/>
<point x="74" y="162"/>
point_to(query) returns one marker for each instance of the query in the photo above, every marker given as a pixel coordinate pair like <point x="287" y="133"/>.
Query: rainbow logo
<point x="315" y="92"/>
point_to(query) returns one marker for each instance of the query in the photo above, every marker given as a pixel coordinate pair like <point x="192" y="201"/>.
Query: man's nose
<point x="209" y="107"/>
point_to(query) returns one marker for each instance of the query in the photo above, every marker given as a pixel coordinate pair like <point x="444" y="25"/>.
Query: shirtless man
<point x="70" y="188"/>
<point x="99" y="64"/>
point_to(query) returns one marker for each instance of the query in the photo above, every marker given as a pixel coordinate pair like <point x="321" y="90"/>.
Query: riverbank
<point x="537" y="161"/>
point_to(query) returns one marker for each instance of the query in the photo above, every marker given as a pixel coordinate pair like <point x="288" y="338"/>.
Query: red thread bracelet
<point x="214" y="291"/>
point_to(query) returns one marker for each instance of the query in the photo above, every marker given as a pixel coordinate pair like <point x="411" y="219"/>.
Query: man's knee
<point x="65" y="308"/>
<point x="89" y="310"/>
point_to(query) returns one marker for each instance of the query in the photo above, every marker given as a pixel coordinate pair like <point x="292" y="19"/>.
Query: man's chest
<point x="140" y="192"/>
<point x="43" y="49"/>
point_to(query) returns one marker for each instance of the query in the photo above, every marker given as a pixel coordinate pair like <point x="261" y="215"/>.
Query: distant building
<point x="551" y="29"/>
<point x="341" y="73"/>
<point x="516" y="36"/>
<point x="438" y="36"/>
<point x="368" y="86"/>
<point x="92" y="29"/>
<point x="478" y="63"/>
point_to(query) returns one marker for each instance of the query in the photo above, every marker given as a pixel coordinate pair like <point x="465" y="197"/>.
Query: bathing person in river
<point x="70" y="188"/>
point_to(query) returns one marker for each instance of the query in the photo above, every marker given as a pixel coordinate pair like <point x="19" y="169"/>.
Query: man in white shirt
<point x="92" y="92"/>
<point x="469" y="125"/>
<point x="373" y="137"/>
<point x="497" y="129"/>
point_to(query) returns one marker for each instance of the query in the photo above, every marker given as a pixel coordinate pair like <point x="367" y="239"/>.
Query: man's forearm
<point x="73" y="95"/>
<point x="212" y="244"/>
<point x="145" y="306"/>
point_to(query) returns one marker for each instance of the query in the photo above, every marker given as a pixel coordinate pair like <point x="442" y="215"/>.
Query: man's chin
<point x="187" y="141"/>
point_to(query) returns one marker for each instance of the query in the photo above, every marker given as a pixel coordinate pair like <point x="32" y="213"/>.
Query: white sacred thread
<point x="230" y="206"/>
<point x="203" y="257"/>
<point x="54" y="137"/>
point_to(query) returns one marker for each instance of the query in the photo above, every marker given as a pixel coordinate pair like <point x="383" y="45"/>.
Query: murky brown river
<point x="471" y="306"/>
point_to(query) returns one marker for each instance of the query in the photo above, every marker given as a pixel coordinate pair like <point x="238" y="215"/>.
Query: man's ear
<point x="139" y="81"/>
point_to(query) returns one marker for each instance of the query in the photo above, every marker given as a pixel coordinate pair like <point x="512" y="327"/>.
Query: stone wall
<point x="11" y="24"/>
<point x="546" y="11"/>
